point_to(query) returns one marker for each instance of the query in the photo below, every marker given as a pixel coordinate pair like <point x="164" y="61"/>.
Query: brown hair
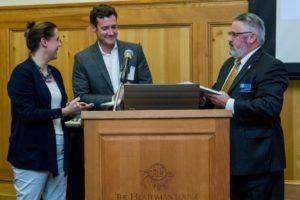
<point x="101" y="11"/>
<point x="36" y="31"/>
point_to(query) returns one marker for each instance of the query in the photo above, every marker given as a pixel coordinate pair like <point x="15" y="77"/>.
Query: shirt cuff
<point x="230" y="105"/>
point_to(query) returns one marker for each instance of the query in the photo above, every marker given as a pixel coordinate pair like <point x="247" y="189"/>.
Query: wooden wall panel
<point x="295" y="87"/>
<point x="18" y="50"/>
<point x="292" y="190"/>
<point x="291" y="126"/>
<point x="5" y="172"/>
<point x="219" y="44"/>
<point x="73" y="40"/>
<point x="169" y="49"/>
<point x="182" y="40"/>
<point x="198" y="17"/>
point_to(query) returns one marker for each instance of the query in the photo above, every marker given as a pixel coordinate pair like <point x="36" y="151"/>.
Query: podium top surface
<point x="148" y="114"/>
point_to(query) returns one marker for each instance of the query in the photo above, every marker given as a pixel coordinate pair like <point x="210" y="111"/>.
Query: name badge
<point x="131" y="73"/>
<point x="245" y="87"/>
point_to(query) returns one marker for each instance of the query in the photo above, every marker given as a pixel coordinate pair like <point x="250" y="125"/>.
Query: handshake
<point x="75" y="107"/>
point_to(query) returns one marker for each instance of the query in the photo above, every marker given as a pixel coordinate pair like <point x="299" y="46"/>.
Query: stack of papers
<point x="111" y="103"/>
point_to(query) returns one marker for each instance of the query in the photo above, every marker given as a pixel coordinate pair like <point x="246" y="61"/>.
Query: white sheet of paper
<point x="209" y="90"/>
<point x="131" y="73"/>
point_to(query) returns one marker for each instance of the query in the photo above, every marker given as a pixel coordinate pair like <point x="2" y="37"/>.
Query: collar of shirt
<point x="112" y="65"/>
<point x="246" y="58"/>
<point x="107" y="54"/>
<point x="230" y="103"/>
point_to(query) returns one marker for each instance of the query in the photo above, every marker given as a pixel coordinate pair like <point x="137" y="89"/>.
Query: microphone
<point x="128" y="53"/>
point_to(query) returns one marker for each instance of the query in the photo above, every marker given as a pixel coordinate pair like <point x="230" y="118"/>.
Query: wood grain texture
<point x="134" y="154"/>
<point x="183" y="40"/>
<point x="292" y="190"/>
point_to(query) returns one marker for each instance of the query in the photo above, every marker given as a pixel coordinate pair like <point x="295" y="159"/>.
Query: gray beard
<point x="237" y="53"/>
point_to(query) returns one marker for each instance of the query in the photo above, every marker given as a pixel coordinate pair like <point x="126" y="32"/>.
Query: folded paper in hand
<point x="203" y="88"/>
<point x="209" y="90"/>
<point x="111" y="103"/>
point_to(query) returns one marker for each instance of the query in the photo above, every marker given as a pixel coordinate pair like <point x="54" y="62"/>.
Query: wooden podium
<point x="156" y="155"/>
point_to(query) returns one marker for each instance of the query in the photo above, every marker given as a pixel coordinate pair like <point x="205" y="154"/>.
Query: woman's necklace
<point x="49" y="77"/>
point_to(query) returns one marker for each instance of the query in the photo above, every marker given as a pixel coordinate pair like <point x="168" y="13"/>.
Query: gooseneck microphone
<point x="128" y="53"/>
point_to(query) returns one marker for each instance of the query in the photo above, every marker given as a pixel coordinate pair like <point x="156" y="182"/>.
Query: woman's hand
<point x="74" y="107"/>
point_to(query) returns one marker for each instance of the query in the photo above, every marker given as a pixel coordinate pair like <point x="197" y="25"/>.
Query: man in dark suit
<point x="96" y="73"/>
<point x="96" y="78"/>
<point x="255" y="97"/>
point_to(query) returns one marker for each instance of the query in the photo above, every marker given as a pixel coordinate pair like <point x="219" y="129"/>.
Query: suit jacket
<point x="91" y="80"/>
<point x="256" y="136"/>
<point x="32" y="140"/>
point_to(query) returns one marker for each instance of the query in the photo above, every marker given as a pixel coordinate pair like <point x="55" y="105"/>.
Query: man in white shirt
<point x="96" y="72"/>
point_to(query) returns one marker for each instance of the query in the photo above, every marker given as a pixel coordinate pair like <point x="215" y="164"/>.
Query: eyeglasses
<point x="236" y="34"/>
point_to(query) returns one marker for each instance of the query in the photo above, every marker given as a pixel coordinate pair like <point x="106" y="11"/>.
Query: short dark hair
<point x="36" y="31"/>
<point x="101" y="11"/>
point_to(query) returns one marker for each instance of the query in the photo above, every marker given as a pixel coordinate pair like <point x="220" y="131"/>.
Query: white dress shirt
<point x="112" y="64"/>
<point x="230" y="102"/>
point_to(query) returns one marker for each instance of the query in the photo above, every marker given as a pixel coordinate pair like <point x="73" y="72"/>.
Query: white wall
<point x="288" y="31"/>
<point x="32" y="2"/>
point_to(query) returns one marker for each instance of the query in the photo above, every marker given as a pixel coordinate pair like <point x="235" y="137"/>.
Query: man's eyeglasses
<point x="236" y="34"/>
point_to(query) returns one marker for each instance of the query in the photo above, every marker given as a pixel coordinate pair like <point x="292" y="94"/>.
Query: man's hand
<point x="201" y="99"/>
<point x="218" y="100"/>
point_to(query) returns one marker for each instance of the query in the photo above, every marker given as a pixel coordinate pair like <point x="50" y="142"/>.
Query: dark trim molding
<point x="294" y="70"/>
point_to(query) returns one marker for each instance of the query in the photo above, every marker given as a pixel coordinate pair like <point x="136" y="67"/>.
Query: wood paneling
<point x="73" y="40"/>
<point x="5" y="171"/>
<point x="154" y="154"/>
<point x="166" y="59"/>
<point x="182" y="40"/>
<point x="292" y="190"/>
<point x="18" y="50"/>
<point x="219" y="43"/>
<point x="291" y="126"/>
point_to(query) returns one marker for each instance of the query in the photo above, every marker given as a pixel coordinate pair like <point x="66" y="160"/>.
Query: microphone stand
<point x="123" y="79"/>
<point x="117" y="97"/>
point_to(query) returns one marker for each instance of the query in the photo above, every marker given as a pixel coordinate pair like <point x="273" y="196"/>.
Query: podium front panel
<point x="156" y="157"/>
